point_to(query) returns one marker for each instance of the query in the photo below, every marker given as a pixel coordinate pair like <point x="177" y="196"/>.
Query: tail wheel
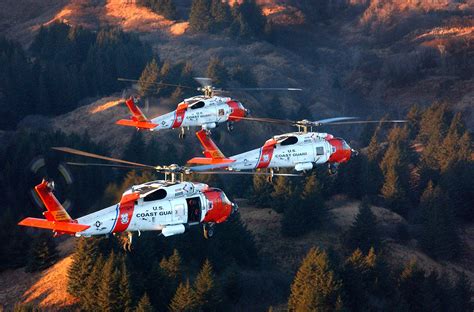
<point x="208" y="230"/>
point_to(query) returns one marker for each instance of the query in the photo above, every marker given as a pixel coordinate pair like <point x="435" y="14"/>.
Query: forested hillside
<point x="372" y="59"/>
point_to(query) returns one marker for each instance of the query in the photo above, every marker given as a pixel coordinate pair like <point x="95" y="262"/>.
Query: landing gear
<point x="208" y="230"/>
<point x="230" y="126"/>
<point x="270" y="177"/>
<point x="332" y="168"/>
<point x="182" y="134"/>
<point x="127" y="242"/>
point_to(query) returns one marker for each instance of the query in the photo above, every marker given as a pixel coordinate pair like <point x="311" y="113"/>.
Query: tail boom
<point x="138" y="119"/>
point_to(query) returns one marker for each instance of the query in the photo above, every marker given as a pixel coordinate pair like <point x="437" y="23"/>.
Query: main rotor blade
<point x="158" y="83"/>
<point x="107" y="166"/>
<point x="263" y="89"/>
<point x="91" y="155"/>
<point x="270" y="120"/>
<point x="249" y="173"/>
<point x="204" y="81"/>
<point x="334" y="119"/>
<point x="365" y="122"/>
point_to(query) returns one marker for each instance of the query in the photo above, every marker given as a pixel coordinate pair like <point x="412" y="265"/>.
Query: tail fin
<point x="138" y="119"/>
<point x="57" y="218"/>
<point x="212" y="153"/>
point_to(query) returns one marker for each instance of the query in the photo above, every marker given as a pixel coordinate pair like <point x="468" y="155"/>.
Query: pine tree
<point x="135" y="149"/>
<point x="144" y="304"/>
<point x="184" y="299"/>
<point x="107" y="293"/>
<point x="363" y="233"/>
<point x="410" y="285"/>
<point x="438" y="234"/>
<point x="205" y="289"/>
<point x="172" y="266"/>
<point x="88" y="295"/>
<point x="148" y="79"/>
<point x="83" y="259"/>
<point x="308" y="213"/>
<point x="261" y="191"/>
<point x="220" y="12"/>
<point x="217" y="72"/>
<point x="125" y="289"/>
<point x="249" y="21"/>
<point x="395" y="169"/>
<point x="42" y="254"/>
<point x="462" y="294"/>
<point x="315" y="287"/>
<point x="281" y="194"/>
<point x="360" y="278"/>
<point x="374" y="174"/>
<point x="199" y="17"/>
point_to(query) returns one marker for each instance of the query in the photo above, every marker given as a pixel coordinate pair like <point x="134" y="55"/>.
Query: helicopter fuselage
<point x="201" y="111"/>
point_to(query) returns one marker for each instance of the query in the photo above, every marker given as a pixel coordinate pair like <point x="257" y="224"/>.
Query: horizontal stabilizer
<point x="136" y="124"/>
<point x="210" y="161"/>
<point x="65" y="227"/>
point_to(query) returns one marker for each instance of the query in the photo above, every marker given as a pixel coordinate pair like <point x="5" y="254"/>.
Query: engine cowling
<point x="303" y="166"/>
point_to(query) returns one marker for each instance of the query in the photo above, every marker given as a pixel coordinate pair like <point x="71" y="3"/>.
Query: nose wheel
<point x="332" y="168"/>
<point x="208" y="230"/>
<point x="230" y="126"/>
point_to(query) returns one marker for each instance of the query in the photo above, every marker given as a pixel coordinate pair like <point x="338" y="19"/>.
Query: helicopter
<point x="206" y="111"/>
<point x="301" y="150"/>
<point x="170" y="206"/>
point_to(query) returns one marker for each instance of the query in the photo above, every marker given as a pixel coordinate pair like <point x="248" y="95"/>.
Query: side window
<point x="289" y="141"/>
<point x="197" y="105"/>
<point x="156" y="195"/>
<point x="319" y="150"/>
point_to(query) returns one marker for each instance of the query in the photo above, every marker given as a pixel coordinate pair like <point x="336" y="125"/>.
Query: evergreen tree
<point x="144" y="305"/>
<point x="83" y="260"/>
<point x="438" y="234"/>
<point x="221" y="16"/>
<point x="135" y="149"/>
<point x="410" y="285"/>
<point x="300" y="218"/>
<point x="315" y="287"/>
<point x="172" y="266"/>
<point x="107" y="299"/>
<point x="148" y="79"/>
<point x="217" y="72"/>
<point x="205" y="289"/>
<point x="281" y="194"/>
<point x="261" y="191"/>
<point x="395" y="169"/>
<point x="249" y="21"/>
<point x="89" y="295"/>
<point x="462" y="295"/>
<point x="42" y="254"/>
<point x="125" y="289"/>
<point x="199" y="17"/>
<point x="374" y="174"/>
<point x="359" y="279"/>
<point x="184" y="299"/>
<point x="363" y="233"/>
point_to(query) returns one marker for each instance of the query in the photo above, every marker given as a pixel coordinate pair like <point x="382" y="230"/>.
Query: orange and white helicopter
<point x="301" y="150"/>
<point x="169" y="205"/>
<point x="206" y="111"/>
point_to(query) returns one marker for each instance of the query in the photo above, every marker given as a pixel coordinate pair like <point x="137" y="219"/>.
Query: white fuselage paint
<point x="215" y="110"/>
<point x="148" y="215"/>
<point x="310" y="148"/>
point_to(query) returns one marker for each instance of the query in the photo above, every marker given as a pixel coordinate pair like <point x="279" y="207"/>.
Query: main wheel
<point x="208" y="230"/>
<point x="230" y="126"/>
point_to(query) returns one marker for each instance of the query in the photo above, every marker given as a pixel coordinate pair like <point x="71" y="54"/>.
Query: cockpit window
<point x="289" y="141"/>
<point x="345" y="145"/>
<point x="156" y="195"/>
<point x="197" y="105"/>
